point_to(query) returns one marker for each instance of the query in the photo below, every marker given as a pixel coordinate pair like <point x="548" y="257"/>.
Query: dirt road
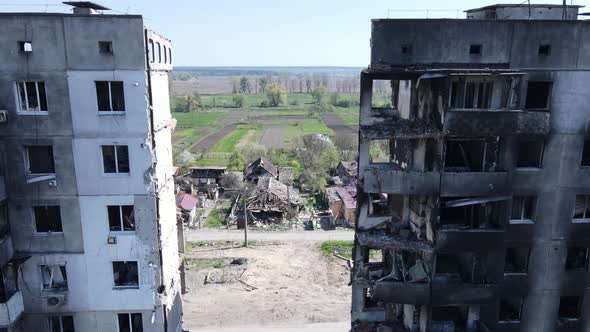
<point x="208" y="234"/>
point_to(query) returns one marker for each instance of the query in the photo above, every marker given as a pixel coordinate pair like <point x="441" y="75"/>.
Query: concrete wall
<point x="523" y="12"/>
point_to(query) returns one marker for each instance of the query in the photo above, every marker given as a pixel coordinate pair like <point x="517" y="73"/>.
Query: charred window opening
<point x="4" y="224"/>
<point x="105" y="47"/>
<point x="40" y="159"/>
<point x="516" y="260"/>
<point x="47" y="219"/>
<point x="121" y="218"/>
<point x="110" y="96"/>
<point x="406" y="49"/>
<point x="586" y="154"/>
<point x="537" y="96"/>
<point x="471" y="155"/>
<point x="523" y="208"/>
<point x="544" y="49"/>
<point x="409" y="266"/>
<point x="54" y="277"/>
<point x="385" y="93"/>
<point x="400" y="153"/>
<point x="25" y="46"/>
<point x="475" y="49"/>
<point x="577" y="259"/>
<point x="376" y="255"/>
<point x="530" y="153"/>
<point x="61" y="324"/>
<point x="115" y="158"/>
<point x="31" y="96"/>
<point x="126" y="274"/>
<point x="510" y="310"/>
<point x="471" y="94"/>
<point x="469" y="213"/>
<point x="8" y="277"/>
<point x="151" y="50"/>
<point x="130" y="322"/>
<point x="569" y="307"/>
<point x="379" y="151"/>
<point x="456" y="268"/>
<point x="450" y="318"/>
<point x="582" y="208"/>
<point x="369" y="302"/>
<point x="379" y="205"/>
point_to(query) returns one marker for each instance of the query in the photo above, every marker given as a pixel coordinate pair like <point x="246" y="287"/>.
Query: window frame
<point x="585" y="218"/>
<point x="61" y="322"/>
<point x="522" y="220"/>
<point x="530" y="140"/>
<point x="130" y="320"/>
<point x="547" y="106"/>
<point x="52" y="267"/>
<point x="116" y="155"/>
<point x="115" y="286"/>
<point x="585" y="147"/>
<point x="110" y="111"/>
<point x="19" y="106"/>
<point x="121" y="223"/>
<point x="34" y="217"/>
<point x="105" y="50"/>
<point x="475" y="49"/>
<point x="28" y="161"/>
<point x="487" y="87"/>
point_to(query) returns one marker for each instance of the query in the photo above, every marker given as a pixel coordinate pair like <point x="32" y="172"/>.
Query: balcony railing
<point x="11" y="310"/>
<point x="495" y="122"/>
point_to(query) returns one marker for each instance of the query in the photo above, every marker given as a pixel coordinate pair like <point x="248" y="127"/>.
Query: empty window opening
<point x="456" y="268"/>
<point x="121" y="218"/>
<point x="169" y="55"/>
<point x="450" y="318"/>
<point x="159" y="48"/>
<point x="54" y="277"/>
<point x="151" y="50"/>
<point x="165" y="51"/>
<point x="586" y="154"/>
<point x="537" y="96"/>
<point x="510" y="310"/>
<point x="115" y="158"/>
<point x="375" y="256"/>
<point x="523" y="208"/>
<point x="582" y="208"/>
<point x="379" y="151"/>
<point x="475" y="49"/>
<point x="385" y="93"/>
<point x="4" y="225"/>
<point x="126" y="274"/>
<point x="61" y="324"/>
<point x="471" y="94"/>
<point x="569" y="307"/>
<point x="379" y="205"/>
<point x="577" y="259"/>
<point x="471" y="155"/>
<point x="47" y="219"/>
<point x="470" y="213"/>
<point x="544" y="49"/>
<point x="406" y="49"/>
<point x="8" y="277"/>
<point x="530" y="153"/>
<point x="105" y="47"/>
<point x="25" y="46"/>
<point x="40" y="159"/>
<point x="401" y="153"/>
<point x="110" y="96"/>
<point x="130" y="322"/>
<point x="31" y="96"/>
<point x="516" y="260"/>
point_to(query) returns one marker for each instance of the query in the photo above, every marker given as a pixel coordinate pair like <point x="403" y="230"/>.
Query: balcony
<point x="11" y="310"/>
<point x="467" y="239"/>
<point x="401" y="292"/>
<point x="475" y="183"/>
<point x="6" y="247"/>
<point x="487" y="122"/>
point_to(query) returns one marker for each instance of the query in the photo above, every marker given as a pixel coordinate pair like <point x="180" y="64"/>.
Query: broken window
<point x="510" y="310"/>
<point x="577" y="259"/>
<point x="582" y="208"/>
<point x="61" y="324"/>
<point x="130" y="322"/>
<point x="537" y="96"/>
<point x="159" y="52"/>
<point x="471" y="94"/>
<point x="517" y="260"/>
<point x="379" y="205"/>
<point x="25" y="46"/>
<point x="115" y="158"/>
<point x="8" y="278"/>
<point x="151" y="50"/>
<point x="457" y="267"/>
<point x="165" y="51"/>
<point x="121" y="218"/>
<point x="170" y="55"/>
<point x="54" y="277"/>
<point x="569" y="307"/>
<point x="523" y="208"/>
<point x="385" y="93"/>
<point x="449" y="318"/>
<point x="530" y="153"/>
<point x="31" y="96"/>
<point x="379" y="151"/>
<point x="586" y="154"/>
<point x="40" y="159"/>
<point x="4" y="225"/>
<point x="47" y="219"/>
<point x="470" y="212"/>
<point x="471" y="155"/>
<point x="105" y="47"/>
<point x="544" y="49"/>
<point x="110" y="96"/>
<point x="475" y="49"/>
<point x="126" y="274"/>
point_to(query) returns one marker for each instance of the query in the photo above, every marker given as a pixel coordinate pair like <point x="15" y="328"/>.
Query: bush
<point x="264" y="103"/>
<point x="277" y="94"/>
<point x="239" y="100"/>
<point x="319" y="95"/>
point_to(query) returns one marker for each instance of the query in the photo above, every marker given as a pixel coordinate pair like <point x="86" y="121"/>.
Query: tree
<point x="308" y="85"/>
<point x="239" y="100"/>
<point x="277" y="94"/>
<point x="231" y="181"/>
<point x="319" y="95"/>
<point x="236" y="161"/>
<point x="346" y="145"/>
<point x="191" y="102"/>
<point x="262" y="83"/>
<point x="244" y="85"/>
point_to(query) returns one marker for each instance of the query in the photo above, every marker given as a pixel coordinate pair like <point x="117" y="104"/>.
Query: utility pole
<point x="245" y="224"/>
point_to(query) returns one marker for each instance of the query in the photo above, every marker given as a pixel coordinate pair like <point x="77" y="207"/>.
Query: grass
<point x="205" y="263"/>
<point x="350" y="118"/>
<point x="228" y="143"/>
<point x="342" y="248"/>
<point x="318" y="127"/>
<point x="215" y="218"/>
<point x="196" y="119"/>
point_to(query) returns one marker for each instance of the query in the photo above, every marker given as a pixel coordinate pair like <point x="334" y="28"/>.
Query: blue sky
<point x="272" y="33"/>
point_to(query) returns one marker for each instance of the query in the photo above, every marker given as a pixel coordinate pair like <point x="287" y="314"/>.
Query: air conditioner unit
<point x="3" y="116"/>
<point x="55" y="300"/>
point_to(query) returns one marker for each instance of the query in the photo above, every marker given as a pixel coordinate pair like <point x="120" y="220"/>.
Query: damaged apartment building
<point x="474" y="185"/>
<point x="88" y="233"/>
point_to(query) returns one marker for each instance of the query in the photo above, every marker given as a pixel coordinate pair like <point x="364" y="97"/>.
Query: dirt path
<point x="295" y="285"/>
<point x="246" y="139"/>
<point x="273" y="137"/>
<point x="209" y="141"/>
<point x="335" y="123"/>
<point x="210" y="234"/>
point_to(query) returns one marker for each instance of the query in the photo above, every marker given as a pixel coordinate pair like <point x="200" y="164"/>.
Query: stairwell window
<point x="54" y="277"/>
<point x="61" y="324"/>
<point x="110" y="96"/>
<point x="115" y="159"/>
<point x="121" y="218"/>
<point x="31" y="97"/>
<point x="130" y="322"/>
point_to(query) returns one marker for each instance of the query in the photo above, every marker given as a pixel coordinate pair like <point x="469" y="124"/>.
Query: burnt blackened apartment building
<point x="88" y="232"/>
<point x="474" y="178"/>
